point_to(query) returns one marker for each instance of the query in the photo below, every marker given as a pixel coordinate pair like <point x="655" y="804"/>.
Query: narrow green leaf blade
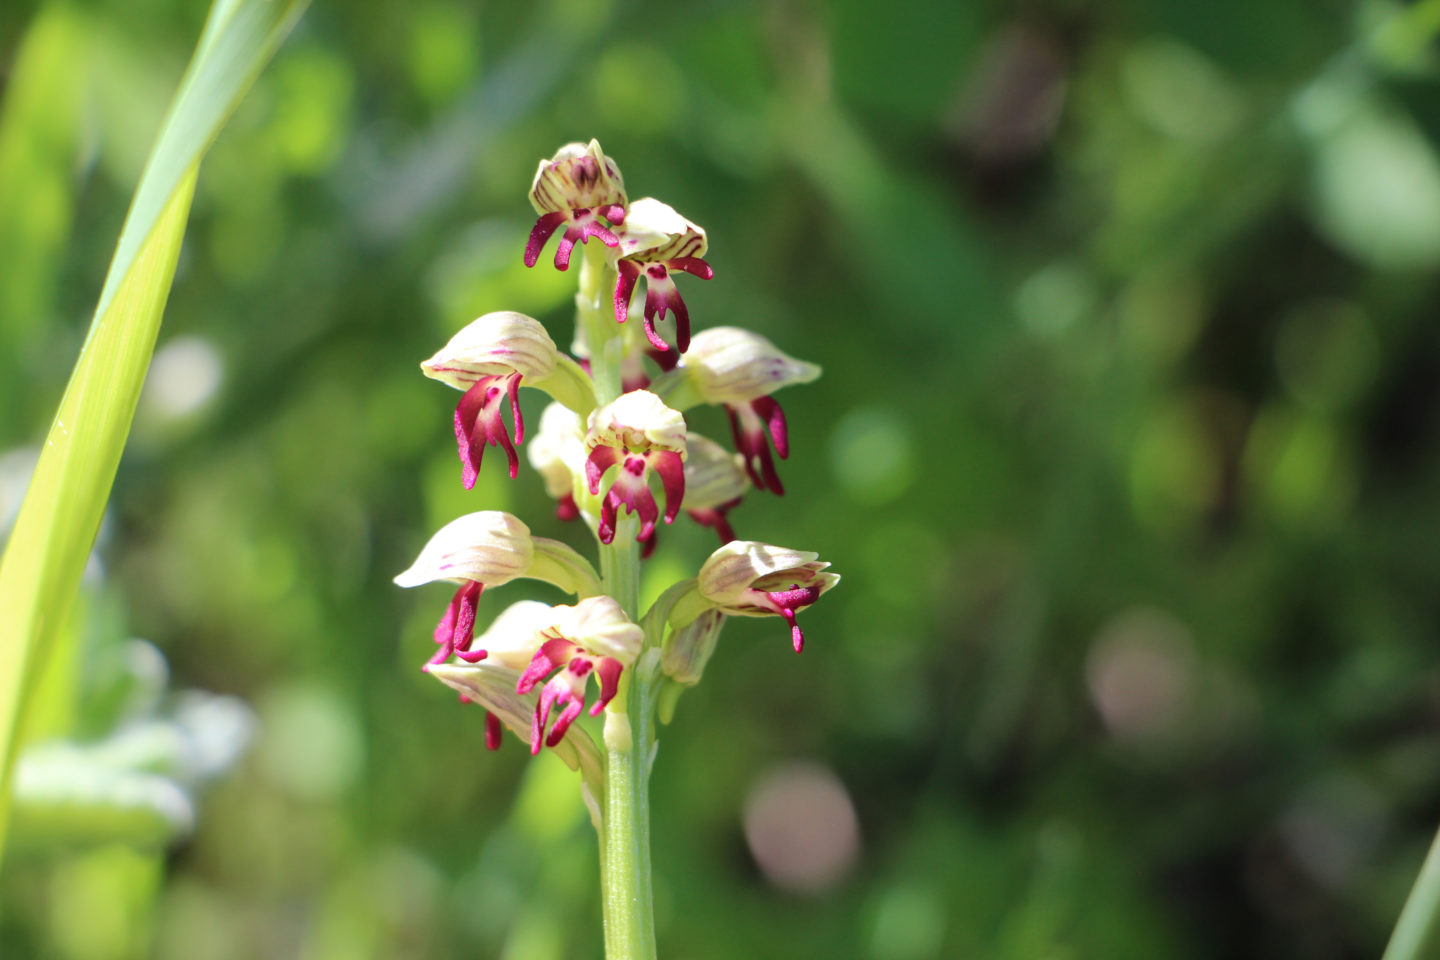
<point x="57" y="524"/>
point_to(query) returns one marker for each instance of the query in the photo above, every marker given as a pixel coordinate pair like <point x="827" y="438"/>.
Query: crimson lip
<point x="478" y="424"/>
<point x="661" y="295"/>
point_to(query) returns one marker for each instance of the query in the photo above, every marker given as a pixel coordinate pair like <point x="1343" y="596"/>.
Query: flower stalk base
<point x="626" y="897"/>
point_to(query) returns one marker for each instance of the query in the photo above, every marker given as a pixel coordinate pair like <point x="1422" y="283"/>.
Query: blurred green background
<point x="1125" y="449"/>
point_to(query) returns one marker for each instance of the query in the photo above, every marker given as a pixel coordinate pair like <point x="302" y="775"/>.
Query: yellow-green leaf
<point x="57" y="523"/>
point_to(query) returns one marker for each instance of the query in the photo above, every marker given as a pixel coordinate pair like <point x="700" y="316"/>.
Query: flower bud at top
<point x="575" y="189"/>
<point x="733" y="366"/>
<point x="490" y="547"/>
<point x="497" y="344"/>
<point x="750" y="579"/>
<point x="578" y="176"/>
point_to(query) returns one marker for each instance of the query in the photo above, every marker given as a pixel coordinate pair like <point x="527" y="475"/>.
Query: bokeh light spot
<point x="1140" y="673"/>
<point x="1055" y="299"/>
<point x="1299" y="470"/>
<point x="1179" y="92"/>
<point x="637" y="87"/>
<point x="801" y="827"/>
<point x="1174" y="472"/>
<point x="871" y="452"/>
<point x="909" y="924"/>
<point x="184" y="377"/>
<point x="1377" y="191"/>
<point x="1161" y="313"/>
<point x="312" y="109"/>
<point x="444" y="46"/>
<point x="310" y="742"/>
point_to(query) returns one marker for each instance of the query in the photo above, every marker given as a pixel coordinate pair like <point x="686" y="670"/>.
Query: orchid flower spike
<point x="740" y="369"/>
<point x="575" y="188"/>
<point x="488" y="549"/>
<point x="636" y="433"/>
<point x="489" y="360"/>
<point x="749" y="579"/>
<point x="656" y="243"/>
<point x="593" y="636"/>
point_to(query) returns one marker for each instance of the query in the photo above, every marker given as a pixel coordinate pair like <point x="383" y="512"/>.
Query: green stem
<point x="629" y="725"/>
<point x="596" y="319"/>
<point x="626" y="892"/>
<point x="1417" y="920"/>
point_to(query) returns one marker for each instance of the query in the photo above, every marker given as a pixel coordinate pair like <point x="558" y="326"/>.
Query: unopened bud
<point x="714" y="476"/>
<point x="578" y="176"/>
<point x="689" y="649"/>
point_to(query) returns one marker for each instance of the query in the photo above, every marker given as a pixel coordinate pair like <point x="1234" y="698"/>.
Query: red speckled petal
<point x="608" y="670"/>
<point x="672" y="477"/>
<point x="625" y="288"/>
<point x="602" y="458"/>
<point x="544" y="227"/>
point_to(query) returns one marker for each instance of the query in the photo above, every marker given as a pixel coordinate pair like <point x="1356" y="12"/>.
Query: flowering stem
<point x="629" y="733"/>
<point x="596" y="319"/>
